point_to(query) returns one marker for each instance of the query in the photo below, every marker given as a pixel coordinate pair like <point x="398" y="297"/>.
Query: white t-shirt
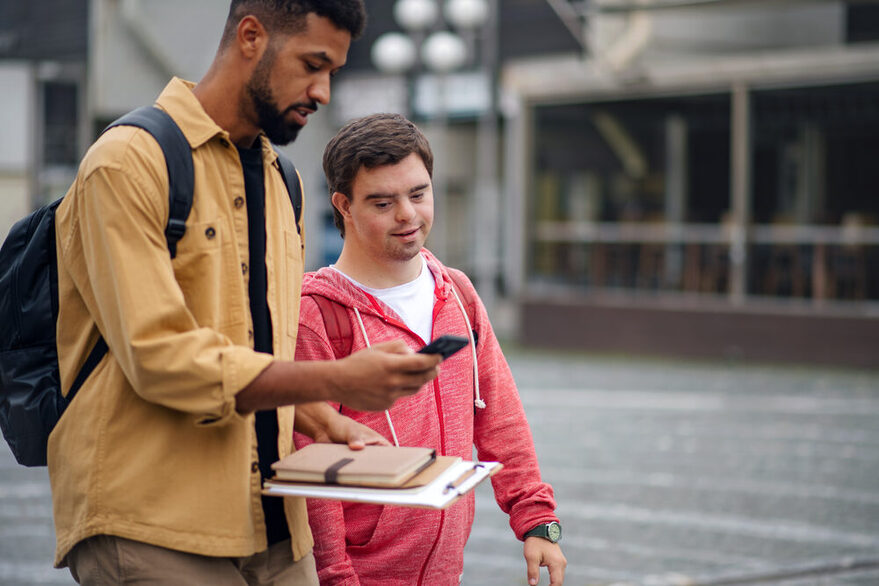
<point x="413" y="301"/>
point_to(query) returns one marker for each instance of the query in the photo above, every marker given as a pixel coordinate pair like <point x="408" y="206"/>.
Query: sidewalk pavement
<point x="666" y="474"/>
<point x="672" y="473"/>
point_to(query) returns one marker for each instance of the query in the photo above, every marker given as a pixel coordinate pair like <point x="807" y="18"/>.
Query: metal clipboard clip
<point x="458" y="482"/>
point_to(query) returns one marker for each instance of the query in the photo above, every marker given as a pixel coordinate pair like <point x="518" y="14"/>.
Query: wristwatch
<point x="550" y="531"/>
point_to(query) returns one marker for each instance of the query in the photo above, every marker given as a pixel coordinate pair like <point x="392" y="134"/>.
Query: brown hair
<point x="288" y="16"/>
<point x="372" y="141"/>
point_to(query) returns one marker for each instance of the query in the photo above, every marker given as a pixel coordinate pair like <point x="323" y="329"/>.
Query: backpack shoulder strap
<point x="467" y="298"/>
<point x="294" y="188"/>
<point x="178" y="159"/>
<point x="181" y="182"/>
<point x="465" y="290"/>
<point x="337" y="324"/>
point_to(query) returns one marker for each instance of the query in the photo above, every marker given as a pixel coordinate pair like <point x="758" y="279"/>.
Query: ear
<point x="342" y="203"/>
<point x="252" y="37"/>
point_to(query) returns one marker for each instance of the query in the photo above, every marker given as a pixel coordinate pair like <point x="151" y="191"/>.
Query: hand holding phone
<point x="445" y="345"/>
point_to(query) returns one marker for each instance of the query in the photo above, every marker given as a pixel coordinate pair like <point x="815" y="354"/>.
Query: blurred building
<point x="702" y="182"/>
<point x="686" y="177"/>
<point x="68" y="68"/>
<point x="43" y="54"/>
<point x="692" y="177"/>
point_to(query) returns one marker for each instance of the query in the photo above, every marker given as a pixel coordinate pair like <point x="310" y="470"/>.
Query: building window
<point x="635" y="196"/>
<point x="610" y="180"/>
<point x="60" y="115"/>
<point x="862" y="22"/>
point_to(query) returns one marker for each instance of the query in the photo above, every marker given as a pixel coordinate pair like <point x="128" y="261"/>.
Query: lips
<point x="301" y="116"/>
<point x="301" y="112"/>
<point x="407" y="234"/>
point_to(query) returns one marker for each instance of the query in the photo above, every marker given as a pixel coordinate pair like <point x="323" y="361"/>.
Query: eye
<point x="417" y="196"/>
<point x="382" y="205"/>
<point x="312" y="67"/>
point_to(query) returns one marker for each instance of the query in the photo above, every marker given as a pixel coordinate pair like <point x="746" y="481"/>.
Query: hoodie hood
<point x="333" y="285"/>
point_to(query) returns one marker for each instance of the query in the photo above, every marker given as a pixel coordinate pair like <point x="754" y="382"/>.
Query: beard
<point x="269" y="116"/>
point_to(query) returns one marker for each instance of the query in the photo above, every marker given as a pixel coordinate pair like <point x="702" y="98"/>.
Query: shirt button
<point x="244" y="268"/>
<point x="250" y="334"/>
<point x="210" y="233"/>
<point x="239" y="202"/>
<point x="254" y="467"/>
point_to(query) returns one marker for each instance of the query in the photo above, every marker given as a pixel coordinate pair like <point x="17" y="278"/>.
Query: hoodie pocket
<point x="361" y="522"/>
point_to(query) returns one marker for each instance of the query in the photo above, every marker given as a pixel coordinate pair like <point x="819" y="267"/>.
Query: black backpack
<point x="31" y="401"/>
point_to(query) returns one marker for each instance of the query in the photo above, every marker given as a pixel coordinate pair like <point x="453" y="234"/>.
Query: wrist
<point x="551" y="531"/>
<point x="313" y="418"/>
<point x="334" y="380"/>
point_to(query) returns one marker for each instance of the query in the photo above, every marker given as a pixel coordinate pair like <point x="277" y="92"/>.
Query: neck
<point x="220" y="93"/>
<point x="378" y="275"/>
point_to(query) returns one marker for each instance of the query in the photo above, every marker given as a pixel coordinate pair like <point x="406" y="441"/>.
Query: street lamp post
<point x="427" y="43"/>
<point x="488" y="207"/>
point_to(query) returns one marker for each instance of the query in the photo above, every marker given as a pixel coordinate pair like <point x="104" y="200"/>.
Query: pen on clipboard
<point x="462" y="478"/>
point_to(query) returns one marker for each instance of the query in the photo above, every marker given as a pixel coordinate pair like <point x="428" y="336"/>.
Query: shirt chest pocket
<point x="209" y="274"/>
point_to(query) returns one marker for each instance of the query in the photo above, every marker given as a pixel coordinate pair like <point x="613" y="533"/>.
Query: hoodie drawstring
<point x="478" y="401"/>
<point x="387" y="413"/>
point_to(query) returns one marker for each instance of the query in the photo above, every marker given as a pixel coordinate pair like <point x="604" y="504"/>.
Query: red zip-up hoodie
<point x="397" y="546"/>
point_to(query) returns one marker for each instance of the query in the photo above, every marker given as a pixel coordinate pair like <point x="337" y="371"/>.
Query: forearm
<point x="368" y="380"/>
<point x="289" y="383"/>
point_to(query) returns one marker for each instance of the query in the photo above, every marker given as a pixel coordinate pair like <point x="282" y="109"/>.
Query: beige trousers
<point x="106" y="559"/>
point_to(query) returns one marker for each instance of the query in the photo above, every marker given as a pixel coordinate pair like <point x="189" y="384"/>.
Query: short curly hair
<point x="288" y="16"/>
<point x="372" y="141"/>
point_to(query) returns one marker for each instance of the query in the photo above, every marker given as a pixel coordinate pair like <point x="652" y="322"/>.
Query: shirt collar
<point x="180" y="102"/>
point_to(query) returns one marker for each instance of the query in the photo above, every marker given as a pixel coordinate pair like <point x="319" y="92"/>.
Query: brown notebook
<point x="382" y="466"/>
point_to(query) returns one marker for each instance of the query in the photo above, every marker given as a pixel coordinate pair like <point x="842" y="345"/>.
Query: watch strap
<point x="542" y="530"/>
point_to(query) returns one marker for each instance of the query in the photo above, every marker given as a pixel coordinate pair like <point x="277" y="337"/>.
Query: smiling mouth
<point x="407" y="233"/>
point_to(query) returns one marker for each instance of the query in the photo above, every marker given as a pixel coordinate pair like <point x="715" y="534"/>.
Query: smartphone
<point x="445" y="345"/>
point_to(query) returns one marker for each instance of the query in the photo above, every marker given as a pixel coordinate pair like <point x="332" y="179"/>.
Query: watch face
<point x="554" y="531"/>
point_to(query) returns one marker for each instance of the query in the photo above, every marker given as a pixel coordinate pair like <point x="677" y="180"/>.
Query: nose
<point x="319" y="91"/>
<point x="405" y="211"/>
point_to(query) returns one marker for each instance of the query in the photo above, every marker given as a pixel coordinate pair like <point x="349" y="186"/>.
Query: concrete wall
<point x="16" y="141"/>
<point x="713" y="30"/>
<point x="646" y="328"/>
<point x="137" y="46"/>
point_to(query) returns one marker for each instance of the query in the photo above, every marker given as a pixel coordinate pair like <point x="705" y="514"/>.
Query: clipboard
<point x="436" y="487"/>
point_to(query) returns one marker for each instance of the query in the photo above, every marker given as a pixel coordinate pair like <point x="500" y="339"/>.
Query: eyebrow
<point x="380" y="195"/>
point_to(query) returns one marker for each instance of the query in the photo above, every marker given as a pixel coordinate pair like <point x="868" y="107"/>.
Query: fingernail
<point x="532" y="581"/>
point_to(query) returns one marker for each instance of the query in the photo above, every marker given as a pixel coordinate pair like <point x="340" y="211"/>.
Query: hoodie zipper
<point x="440" y="299"/>
<point x="439" y="302"/>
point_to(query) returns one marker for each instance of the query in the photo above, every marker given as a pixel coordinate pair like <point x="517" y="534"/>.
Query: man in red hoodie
<point x="386" y="286"/>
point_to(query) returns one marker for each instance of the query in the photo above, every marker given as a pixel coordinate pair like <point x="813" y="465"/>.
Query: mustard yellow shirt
<point x="152" y="448"/>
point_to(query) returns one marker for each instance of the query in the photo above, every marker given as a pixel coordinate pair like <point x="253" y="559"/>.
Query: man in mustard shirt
<point x="157" y="464"/>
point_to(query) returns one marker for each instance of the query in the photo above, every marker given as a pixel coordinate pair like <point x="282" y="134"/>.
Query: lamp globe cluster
<point x="442" y="51"/>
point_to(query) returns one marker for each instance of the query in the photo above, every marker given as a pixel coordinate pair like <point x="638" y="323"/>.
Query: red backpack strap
<point x="337" y="325"/>
<point x="465" y="290"/>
